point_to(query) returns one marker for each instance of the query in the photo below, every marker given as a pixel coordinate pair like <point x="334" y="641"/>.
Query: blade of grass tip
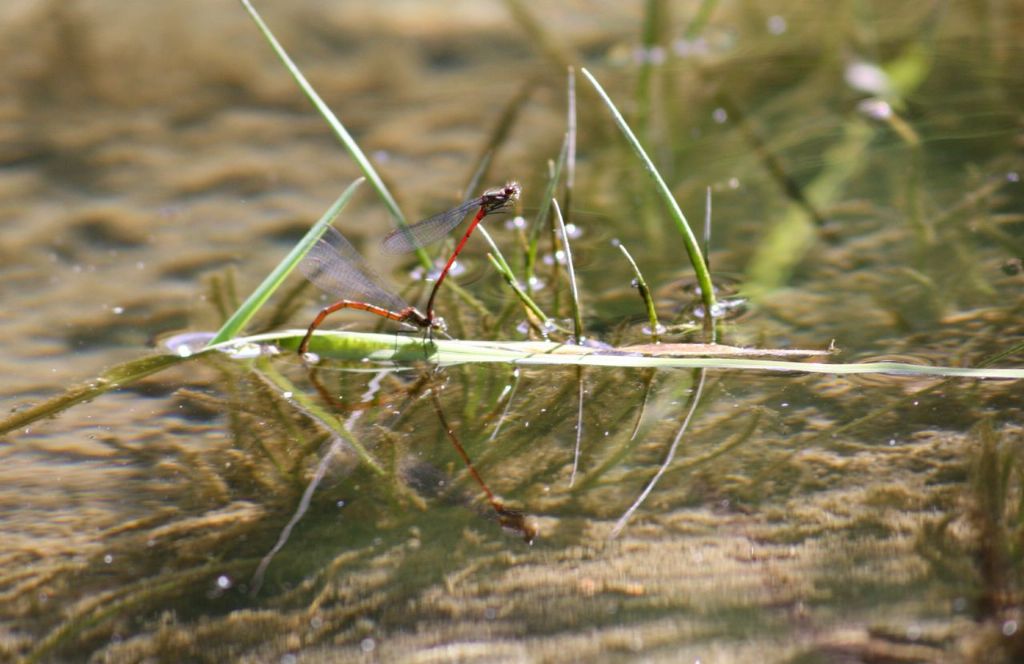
<point x="628" y="514"/>
<point x="215" y="295"/>
<point x="710" y="325"/>
<point x="645" y="293"/>
<point x="252" y="304"/>
<point x="689" y="240"/>
<point x="339" y="129"/>
<point x="577" y="319"/>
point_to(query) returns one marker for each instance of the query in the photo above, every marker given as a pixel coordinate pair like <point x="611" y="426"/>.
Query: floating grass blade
<point x="254" y="302"/>
<point x="689" y="239"/>
<point x="392" y="348"/>
<point x="339" y="129"/>
<point x="645" y="293"/>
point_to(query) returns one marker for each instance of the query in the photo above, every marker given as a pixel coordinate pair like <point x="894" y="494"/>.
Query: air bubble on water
<point x="867" y="77"/>
<point x="876" y="109"/>
<point x="659" y="329"/>
<point x="777" y="24"/>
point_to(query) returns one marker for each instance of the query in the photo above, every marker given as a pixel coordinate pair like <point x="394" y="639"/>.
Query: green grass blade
<point x="689" y="239"/>
<point x="112" y="379"/>
<point x="645" y="293"/>
<point x="252" y="304"/>
<point x="339" y="129"/>
<point x="577" y="318"/>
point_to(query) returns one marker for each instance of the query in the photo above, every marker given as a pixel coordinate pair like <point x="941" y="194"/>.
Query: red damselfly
<point x="336" y="268"/>
<point x="434" y="228"/>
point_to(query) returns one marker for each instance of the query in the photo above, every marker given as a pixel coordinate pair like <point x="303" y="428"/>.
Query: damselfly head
<point x="501" y="198"/>
<point x="438" y="324"/>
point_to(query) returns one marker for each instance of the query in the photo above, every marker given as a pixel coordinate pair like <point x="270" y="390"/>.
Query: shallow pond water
<point x="864" y="161"/>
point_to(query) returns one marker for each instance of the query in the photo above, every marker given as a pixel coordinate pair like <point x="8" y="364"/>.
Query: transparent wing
<point x="427" y="231"/>
<point x="335" y="267"/>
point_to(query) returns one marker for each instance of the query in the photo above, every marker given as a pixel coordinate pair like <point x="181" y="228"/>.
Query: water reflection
<point x="806" y="517"/>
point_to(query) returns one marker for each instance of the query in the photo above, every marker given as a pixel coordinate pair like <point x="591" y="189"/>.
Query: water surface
<point x="864" y="161"/>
